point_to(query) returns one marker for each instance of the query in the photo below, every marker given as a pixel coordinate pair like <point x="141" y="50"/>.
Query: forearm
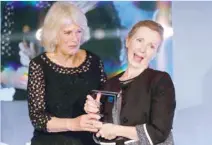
<point x="60" y="124"/>
<point x="126" y="131"/>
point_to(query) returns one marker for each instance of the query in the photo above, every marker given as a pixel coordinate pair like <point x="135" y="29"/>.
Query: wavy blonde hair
<point x="54" y="19"/>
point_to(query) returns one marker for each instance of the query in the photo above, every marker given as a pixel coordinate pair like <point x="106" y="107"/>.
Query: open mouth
<point x="138" y="58"/>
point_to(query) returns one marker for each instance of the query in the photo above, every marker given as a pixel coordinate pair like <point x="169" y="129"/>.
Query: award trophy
<point x="108" y="101"/>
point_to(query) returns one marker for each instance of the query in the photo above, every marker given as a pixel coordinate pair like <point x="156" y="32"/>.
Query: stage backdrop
<point x="109" y="23"/>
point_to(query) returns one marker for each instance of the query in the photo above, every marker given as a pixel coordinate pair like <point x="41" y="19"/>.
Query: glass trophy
<point x="108" y="101"/>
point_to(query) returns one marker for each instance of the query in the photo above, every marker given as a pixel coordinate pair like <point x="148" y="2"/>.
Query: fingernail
<point x="99" y="117"/>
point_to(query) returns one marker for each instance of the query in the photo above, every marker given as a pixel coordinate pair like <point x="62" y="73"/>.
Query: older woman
<point x="145" y="108"/>
<point x="60" y="79"/>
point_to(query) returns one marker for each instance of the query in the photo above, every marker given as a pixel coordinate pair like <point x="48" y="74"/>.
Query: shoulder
<point x="38" y="59"/>
<point x="114" y="79"/>
<point x="158" y="75"/>
<point x="161" y="80"/>
<point x="113" y="84"/>
<point x="92" y="56"/>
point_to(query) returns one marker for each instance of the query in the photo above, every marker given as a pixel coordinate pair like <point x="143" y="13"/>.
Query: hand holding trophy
<point x="103" y="103"/>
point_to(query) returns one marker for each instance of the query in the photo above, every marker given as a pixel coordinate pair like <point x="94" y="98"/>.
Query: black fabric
<point x="149" y="99"/>
<point x="54" y="90"/>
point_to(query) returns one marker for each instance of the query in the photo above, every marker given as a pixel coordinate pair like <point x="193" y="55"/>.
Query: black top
<point x="148" y="103"/>
<point x="58" y="91"/>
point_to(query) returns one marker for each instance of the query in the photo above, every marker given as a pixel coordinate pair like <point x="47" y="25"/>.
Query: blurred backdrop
<point x="109" y="22"/>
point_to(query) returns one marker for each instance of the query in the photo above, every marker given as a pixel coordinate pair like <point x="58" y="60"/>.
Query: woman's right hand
<point x="92" y="105"/>
<point x="87" y="122"/>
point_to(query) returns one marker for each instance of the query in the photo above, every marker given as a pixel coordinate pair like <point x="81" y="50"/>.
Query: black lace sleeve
<point x="36" y="92"/>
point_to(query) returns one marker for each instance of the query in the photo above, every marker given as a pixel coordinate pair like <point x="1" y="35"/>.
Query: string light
<point x="8" y="25"/>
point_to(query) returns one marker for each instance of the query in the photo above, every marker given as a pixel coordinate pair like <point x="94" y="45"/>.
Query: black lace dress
<point x="54" y="90"/>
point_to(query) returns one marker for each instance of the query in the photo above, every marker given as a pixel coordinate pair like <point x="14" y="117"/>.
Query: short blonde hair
<point x="149" y="24"/>
<point x="54" y="19"/>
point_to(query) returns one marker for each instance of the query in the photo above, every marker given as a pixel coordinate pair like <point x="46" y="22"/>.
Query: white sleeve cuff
<point x="147" y="135"/>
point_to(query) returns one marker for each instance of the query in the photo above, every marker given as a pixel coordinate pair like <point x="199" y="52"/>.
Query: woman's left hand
<point x="107" y="131"/>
